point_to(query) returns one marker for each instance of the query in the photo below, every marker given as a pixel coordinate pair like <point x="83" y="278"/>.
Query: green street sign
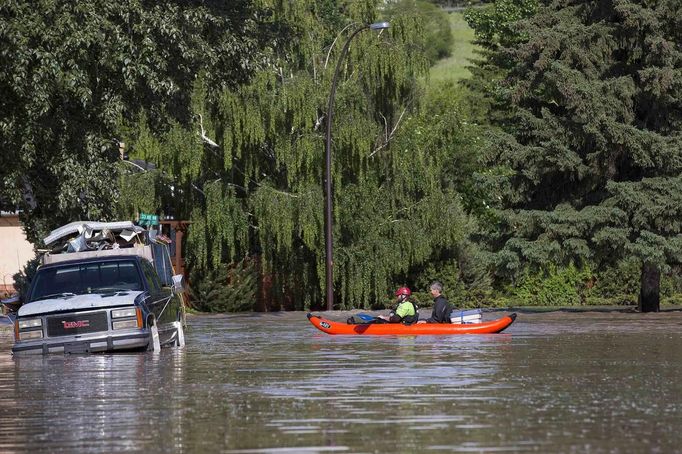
<point x="148" y="219"/>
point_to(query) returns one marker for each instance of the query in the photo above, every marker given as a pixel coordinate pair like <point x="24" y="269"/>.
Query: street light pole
<point x="328" y="243"/>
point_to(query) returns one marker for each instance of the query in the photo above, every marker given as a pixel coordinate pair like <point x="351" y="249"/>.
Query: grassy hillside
<point x="454" y="67"/>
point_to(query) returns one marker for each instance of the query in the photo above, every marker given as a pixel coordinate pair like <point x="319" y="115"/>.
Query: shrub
<point x="618" y="284"/>
<point x="22" y="279"/>
<point x="228" y="288"/>
<point x="567" y="286"/>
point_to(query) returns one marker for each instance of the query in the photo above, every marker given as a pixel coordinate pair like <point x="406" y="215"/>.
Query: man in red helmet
<point x="406" y="311"/>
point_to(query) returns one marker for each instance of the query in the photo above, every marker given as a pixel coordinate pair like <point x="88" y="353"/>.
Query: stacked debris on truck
<point x="86" y="239"/>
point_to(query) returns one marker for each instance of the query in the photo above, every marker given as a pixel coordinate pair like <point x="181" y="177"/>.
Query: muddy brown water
<point x="564" y="382"/>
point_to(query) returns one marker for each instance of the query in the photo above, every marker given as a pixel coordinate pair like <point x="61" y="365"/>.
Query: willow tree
<point x="252" y="162"/>
<point x="590" y="157"/>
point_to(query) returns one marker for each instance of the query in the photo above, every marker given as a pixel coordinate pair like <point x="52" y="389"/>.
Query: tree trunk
<point x="650" y="292"/>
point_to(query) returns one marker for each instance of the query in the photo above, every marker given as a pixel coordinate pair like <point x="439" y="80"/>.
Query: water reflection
<point x="556" y="382"/>
<point x="79" y="402"/>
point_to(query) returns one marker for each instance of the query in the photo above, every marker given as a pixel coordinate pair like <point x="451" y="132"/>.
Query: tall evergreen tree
<point x="587" y="164"/>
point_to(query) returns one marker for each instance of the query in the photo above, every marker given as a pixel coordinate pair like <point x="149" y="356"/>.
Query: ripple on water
<point x="560" y="382"/>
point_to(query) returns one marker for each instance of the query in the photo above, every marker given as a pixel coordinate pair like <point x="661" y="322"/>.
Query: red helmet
<point x="403" y="291"/>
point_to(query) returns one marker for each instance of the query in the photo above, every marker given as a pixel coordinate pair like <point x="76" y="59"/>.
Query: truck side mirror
<point x="178" y="283"/>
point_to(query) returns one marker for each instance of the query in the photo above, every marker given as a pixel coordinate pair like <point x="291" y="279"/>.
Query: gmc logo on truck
<point x="76" y="324"/>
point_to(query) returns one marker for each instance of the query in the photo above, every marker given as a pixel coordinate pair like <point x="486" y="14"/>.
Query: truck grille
<point x="69" y="324"/>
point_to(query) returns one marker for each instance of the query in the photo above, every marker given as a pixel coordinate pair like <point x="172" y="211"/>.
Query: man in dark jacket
<point x="441" y="307"/>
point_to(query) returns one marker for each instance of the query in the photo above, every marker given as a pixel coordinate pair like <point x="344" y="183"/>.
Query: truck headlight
<point x="127" y="318"/>
<point x="123" y="313"/>
<point x="28" y="328"/>
<point x="30" y="323"/>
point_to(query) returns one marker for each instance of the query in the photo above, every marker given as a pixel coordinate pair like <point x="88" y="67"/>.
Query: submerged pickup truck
<point x="102" y="300"/>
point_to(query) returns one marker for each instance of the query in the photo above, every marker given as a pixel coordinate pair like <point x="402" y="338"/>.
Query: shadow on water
<point x="554" y="382"/>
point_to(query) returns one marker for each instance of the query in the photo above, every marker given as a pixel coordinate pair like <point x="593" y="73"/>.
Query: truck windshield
<point x="83" y="278"/>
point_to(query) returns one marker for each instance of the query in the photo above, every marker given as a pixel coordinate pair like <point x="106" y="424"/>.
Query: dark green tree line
<point x="586" y="163"/>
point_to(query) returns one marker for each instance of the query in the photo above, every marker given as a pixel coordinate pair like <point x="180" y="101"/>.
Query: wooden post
<point x="179" y="227"/>
<point x="179" y="262"/>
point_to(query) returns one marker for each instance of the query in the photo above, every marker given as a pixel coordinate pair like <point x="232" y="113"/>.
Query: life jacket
<point x="410" y="319"/>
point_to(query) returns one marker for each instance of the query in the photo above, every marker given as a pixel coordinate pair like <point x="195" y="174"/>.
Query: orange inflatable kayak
<point x="428" y="329"/>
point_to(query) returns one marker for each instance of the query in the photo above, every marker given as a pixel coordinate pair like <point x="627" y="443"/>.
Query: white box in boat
<point x="469" y="316"/>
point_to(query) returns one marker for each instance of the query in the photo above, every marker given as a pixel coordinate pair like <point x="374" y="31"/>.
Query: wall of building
<point x="15" y="250"/>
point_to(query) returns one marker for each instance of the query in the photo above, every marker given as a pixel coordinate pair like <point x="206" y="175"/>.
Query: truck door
<point x="159" y="301"/>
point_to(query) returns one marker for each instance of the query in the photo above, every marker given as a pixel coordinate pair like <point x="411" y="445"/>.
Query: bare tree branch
<point x="388" y="136"/>
<point x="326" y="61"/>
<point x="202" y="134"/>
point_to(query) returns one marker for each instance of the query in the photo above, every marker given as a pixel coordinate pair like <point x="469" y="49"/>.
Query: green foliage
<point x="475" y="273"/>
<point x="447" y="272"/>
<point x="456" y="65"/>
<point x="618" y="284"/>
<point x="671" y="286"/>
<point x="459" y="4"/>
<point x="567" y="286"/>
<point x="226" y="288"/>
<point x="589" y="136"/>
<point x="438" y="39"/>
<point x="495" y="26"/>
<point x="22" y="279"/>
<point x="74" y="72"/>
<point x="570" y="286"/>
<point x="257" y="170"/>
<point x="464" y="273"/>
<point x="222" y="107"/>
<point x="140" y="192"/>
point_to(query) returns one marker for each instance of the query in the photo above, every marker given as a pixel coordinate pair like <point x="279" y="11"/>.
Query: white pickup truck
<point x="101" y="299"/>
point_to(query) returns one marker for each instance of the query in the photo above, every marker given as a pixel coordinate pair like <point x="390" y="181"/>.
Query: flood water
<point x="553" y="382"/>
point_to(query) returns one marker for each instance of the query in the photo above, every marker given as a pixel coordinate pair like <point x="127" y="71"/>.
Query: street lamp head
<point x="378" y="25"/>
